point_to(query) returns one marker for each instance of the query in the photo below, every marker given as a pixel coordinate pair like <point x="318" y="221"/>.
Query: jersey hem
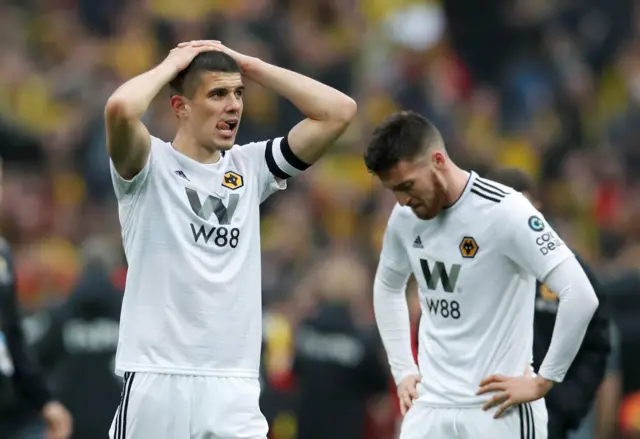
<point x="120" y="371"/>
<point x="439" y="405"/>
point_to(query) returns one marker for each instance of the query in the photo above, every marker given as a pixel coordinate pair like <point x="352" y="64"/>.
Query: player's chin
<point x="424" y="213"/>
<point x="225" y="141"/>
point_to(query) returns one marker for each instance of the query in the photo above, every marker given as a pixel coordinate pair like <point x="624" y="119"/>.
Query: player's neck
<point x="188" y="146"/>
<point x="458" y="179"/>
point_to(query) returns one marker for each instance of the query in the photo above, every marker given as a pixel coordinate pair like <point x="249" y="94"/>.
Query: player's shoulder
<point x="492" y="198"/>
<point x="157" y="142"/>
<point x="488" y="193"/>
<point x="159" y="147"/>
<point x="253" y="149"/>
<point x="401" y="217"/>
<point x="503" y="207"/>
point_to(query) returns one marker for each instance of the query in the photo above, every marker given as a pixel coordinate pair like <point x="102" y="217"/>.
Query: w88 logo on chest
<point x="438" y="277"/>
<point x="222" y="235"/>
<point x="219" y="236"/>
<point x="444" y="308"/>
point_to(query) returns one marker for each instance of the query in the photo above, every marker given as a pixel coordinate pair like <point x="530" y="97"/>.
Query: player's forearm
<point x="132" y="99"/>
<point x="392" y="318"/>
<point x="315" y="100"/>
<point x="578" y="303"/>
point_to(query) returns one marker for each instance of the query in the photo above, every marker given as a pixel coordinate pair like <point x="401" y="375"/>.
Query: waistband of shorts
<point x="167" y="370"/>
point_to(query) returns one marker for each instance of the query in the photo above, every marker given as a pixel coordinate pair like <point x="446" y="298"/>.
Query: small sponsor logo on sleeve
<point x="548" y="242"/>
<point x="536" y="224"/>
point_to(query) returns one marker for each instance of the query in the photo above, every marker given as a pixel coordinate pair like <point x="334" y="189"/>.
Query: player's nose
<point x="233" y="105"/>
<point x="403" y="198"/>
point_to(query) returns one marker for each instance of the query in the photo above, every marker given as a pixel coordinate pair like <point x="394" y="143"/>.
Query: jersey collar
<point x="465" y="192"/>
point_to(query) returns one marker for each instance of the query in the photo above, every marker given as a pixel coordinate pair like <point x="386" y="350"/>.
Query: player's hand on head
<point x="243" y="60"/>
<point x="408" y="392"/>
<point x="181" y="56"/>
<point x="507" y="392"/>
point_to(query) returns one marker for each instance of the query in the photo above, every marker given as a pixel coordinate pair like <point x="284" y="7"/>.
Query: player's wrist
<point x="544" y="384"/>
<point x="401" y="376"/>
<point x="253" y="68"/>
<point x="168" y="70"/>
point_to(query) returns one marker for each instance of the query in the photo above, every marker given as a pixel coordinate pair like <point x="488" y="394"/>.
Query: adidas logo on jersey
<point x="180" y="173"/>
<point x="418" y="243"/>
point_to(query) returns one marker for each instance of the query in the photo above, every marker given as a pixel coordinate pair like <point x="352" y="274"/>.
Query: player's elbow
<point x="345" y="110"/>
<point x="587" y="301"/>
<point x="591" y="302"/>
<point x="119" y="108"/>
<point x="382" y="293"/>
<point x="378" y="291"/>
<point x="589" y="298"/>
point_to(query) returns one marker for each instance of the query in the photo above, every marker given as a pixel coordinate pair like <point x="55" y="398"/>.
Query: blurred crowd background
<point x="549" y="86"/>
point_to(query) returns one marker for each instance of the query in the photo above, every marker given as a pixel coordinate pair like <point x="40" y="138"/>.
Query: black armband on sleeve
<point x="281" y="160"/>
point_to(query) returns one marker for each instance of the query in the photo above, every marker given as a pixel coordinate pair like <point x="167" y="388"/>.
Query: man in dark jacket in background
<point x="25" y="400"/>
<point x="24" y="396"/>
<point x="80" y="340"/>
<point x="338" y="365"/>
<point x="570" y="401"/>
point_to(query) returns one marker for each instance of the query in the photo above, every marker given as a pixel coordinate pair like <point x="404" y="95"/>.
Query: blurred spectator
<point x="338" y="365"/>
<point x="78" y="343"/>
<point x="26" y="402"/>
<point x="601" y="422"/>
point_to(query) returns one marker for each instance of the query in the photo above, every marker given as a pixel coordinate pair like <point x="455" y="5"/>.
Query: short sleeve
<point x="394" y="255"/>
<point x="528" y="239"/>
<point x="127" y="189"/>
<point x="270" y="177"/>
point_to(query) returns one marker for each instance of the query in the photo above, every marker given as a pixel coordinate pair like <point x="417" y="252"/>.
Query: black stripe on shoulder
<point x="491" y="185"/>
<point x="290" y="156"/>
<point x="487" y="191"/>
<point x="485" y="196"/>
<point x="271" y="162"/>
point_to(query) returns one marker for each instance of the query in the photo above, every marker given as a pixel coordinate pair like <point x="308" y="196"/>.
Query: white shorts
<point x="526" y="421"/>
<point x="162" y="406"/>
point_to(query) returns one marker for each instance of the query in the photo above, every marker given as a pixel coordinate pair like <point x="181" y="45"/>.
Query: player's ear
<point x="438" y="159"/>
<point x="180" y="105"/>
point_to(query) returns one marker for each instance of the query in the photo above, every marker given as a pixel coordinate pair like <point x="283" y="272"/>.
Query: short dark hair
<point x="186" y="82"/>
<point x="401" y="136"/>
<point x="516" y="179"/>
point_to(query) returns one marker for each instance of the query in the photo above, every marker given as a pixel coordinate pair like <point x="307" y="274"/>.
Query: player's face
<point x="213" y="113"/>
<point x="418" y="184"/>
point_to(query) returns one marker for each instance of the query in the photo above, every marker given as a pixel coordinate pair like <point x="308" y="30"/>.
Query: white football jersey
<point x="476" y="266"/>
<point x="191" y="234"/>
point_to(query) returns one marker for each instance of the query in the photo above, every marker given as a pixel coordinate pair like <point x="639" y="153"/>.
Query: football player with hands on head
<point x="191" y="322"/>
